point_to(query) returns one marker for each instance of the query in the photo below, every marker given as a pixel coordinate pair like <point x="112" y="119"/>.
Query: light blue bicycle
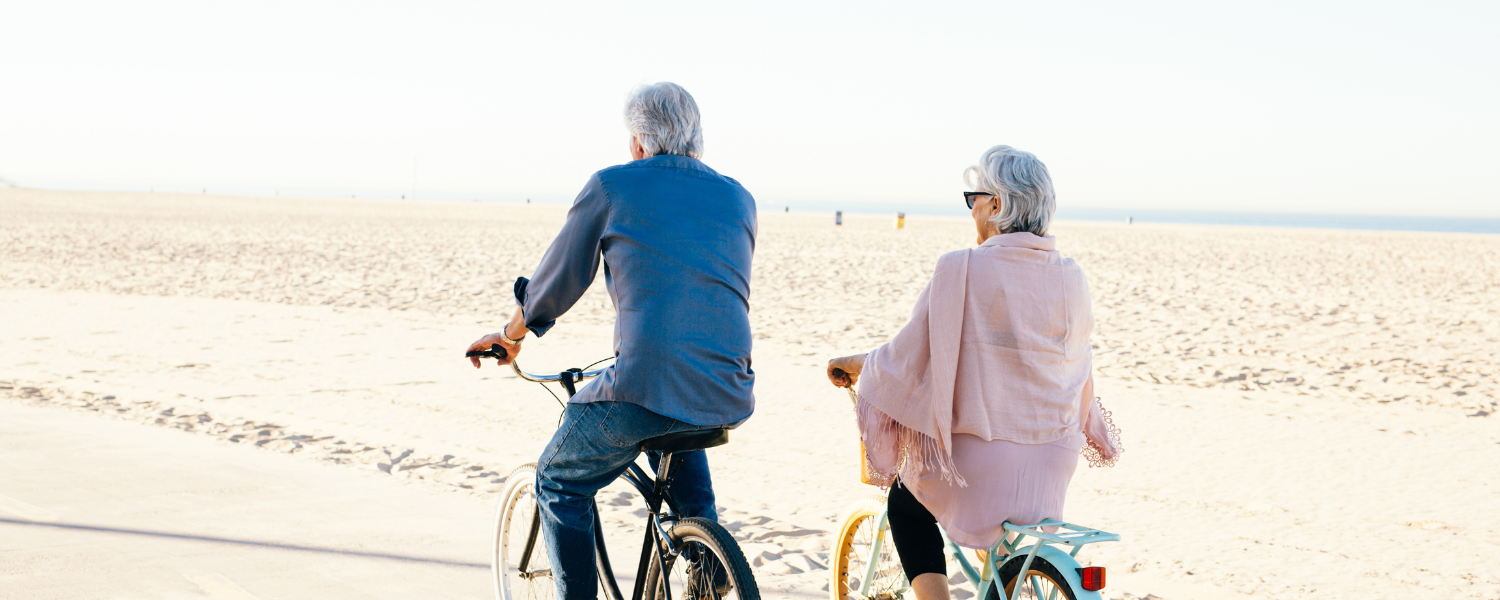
<point x="1029" y="563"/>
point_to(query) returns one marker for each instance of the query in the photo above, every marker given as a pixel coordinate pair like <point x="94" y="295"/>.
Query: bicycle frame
<point x="652" y="489"/>
<point x="1066" y="562"/>
<point x="1004" y="552"/>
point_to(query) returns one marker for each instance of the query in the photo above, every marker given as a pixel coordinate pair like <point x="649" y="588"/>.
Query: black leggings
<point x="915" y="532"/>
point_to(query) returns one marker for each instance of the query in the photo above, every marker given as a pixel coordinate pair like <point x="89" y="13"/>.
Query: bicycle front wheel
<point x="709" y="565"/>
<point x="1042" y="581"/>
<point x="862" y="541"/>
<point x="520" y="563"/>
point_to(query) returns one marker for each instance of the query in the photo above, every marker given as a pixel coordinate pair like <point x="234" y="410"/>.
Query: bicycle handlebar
<point x="573" y="375"/>
<point x="842" y="376"/>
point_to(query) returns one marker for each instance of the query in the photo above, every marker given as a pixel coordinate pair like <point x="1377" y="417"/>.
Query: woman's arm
<point x="910" y="341"/>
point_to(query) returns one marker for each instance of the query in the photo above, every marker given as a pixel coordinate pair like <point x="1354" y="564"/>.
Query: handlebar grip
<point x="495" y="351"/>
<point x="841" y="375"/>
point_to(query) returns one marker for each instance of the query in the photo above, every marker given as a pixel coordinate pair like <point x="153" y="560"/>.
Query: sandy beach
<point x="1306" y="413"/>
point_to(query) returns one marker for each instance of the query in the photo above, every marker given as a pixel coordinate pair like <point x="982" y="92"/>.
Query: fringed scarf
<point x="906" y="396"/>
<point x="902" y="397"/>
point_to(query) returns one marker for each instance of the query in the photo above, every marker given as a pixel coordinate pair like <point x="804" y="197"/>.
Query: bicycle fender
<point x="1065" y="564"/>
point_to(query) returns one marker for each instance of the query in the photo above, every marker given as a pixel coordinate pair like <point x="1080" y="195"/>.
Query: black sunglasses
<point x="970" y="196"/>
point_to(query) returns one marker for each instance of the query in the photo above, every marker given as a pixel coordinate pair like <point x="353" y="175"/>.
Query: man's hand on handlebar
<point x="844" y="371"/>
<point x="481" y="347"/>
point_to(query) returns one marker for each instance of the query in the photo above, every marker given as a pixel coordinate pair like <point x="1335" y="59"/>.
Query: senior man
<point x="675" y="239"/>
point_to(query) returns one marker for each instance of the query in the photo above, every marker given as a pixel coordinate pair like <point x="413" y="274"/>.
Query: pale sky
<point x="1333" y="107"/>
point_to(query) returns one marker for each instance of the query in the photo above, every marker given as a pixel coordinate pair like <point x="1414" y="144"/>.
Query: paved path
<point x="96" y="508"/>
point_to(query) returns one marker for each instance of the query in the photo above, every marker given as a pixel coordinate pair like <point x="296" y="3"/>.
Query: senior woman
<point x="976" y="412"/>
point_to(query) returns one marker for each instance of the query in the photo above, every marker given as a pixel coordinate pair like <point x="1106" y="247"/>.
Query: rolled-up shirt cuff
<point x="539" y="329"/>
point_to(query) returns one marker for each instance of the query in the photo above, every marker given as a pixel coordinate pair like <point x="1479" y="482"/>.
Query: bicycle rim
<point x="709" y="566"/>
<point x="1042" y="582"/>
<point x="856" y="547"/>
<point x="516" y="522"/>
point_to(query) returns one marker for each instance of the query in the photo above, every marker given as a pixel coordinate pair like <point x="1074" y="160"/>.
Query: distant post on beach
<point x="1129" y="220"/>
<point x="900" y="220"/>
<point x="838" y="217"/>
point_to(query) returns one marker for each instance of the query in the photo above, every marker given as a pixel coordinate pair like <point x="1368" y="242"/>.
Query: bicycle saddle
<point x="687" y="441"/>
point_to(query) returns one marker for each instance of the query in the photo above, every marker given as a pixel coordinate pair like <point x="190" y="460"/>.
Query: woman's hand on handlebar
<point x="844" y="371"/>
<point x="483" y="344"/>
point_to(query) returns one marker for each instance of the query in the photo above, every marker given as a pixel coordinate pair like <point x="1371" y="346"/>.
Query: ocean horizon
<point x="1436" y="224"/>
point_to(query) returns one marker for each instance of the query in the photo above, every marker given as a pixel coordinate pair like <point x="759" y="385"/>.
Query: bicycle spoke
<point x="1038" y="585"/>
<point x="888" y="582"/>
<point x="534" y="582"/>
<point x="698" y="574"/>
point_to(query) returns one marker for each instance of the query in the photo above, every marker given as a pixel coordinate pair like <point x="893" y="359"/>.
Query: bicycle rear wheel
<point x="1042" y="582"/>
<point x="709" y="566"/>
<point x="518" y="537"/>
<point x="862" y="540"/>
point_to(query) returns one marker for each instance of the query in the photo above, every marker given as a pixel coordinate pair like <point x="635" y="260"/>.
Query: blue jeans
<point x="594" y="445"/>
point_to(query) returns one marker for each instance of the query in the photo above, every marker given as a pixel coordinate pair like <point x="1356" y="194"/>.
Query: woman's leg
<point x="919" y="544"/>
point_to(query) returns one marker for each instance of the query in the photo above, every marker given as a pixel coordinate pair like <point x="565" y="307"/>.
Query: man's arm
<point x="570" y="263"/>
<point x="564" y="274"/>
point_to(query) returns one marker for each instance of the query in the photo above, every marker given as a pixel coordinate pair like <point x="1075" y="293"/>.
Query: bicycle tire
<point x="853" y="547"/>
<point x="515" y="521"/>
<point x="1042" y="574"/>
<point x="696" y="535"/>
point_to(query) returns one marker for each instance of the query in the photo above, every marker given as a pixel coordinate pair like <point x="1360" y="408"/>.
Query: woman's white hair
<point x="664" y="118"/>
<point x="1023" y="186"/>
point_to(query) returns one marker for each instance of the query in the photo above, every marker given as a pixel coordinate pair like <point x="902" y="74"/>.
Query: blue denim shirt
<point x="676" y="239"/>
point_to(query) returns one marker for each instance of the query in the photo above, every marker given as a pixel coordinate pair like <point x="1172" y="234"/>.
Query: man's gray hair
<point x="1023" y="186"/>
<point x="664" y="118"/>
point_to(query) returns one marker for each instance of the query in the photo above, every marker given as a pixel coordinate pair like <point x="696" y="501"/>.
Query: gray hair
<point x="1023" y="186"/>
<point x="664" y="118"/>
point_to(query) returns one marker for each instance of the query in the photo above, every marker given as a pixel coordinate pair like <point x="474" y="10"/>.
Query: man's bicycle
<point x="865" y="565"/>
<point x="688" y="558"/>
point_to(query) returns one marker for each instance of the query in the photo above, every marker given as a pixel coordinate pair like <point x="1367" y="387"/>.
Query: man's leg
<point x="692" y="487"/>
<point x="580" y="459"/>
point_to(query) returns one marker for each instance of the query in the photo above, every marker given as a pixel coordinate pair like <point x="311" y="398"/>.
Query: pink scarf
<point x="909" y="392"/>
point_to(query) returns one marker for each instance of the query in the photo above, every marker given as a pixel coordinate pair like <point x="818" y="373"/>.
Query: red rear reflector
<point x="1093" y="578"/>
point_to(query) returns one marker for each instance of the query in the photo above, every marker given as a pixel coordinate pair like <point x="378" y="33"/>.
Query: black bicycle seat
<point x="687" y="441"/>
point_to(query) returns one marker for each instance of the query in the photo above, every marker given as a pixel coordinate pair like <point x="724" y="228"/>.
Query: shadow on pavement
<point x="201" y="538"/>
